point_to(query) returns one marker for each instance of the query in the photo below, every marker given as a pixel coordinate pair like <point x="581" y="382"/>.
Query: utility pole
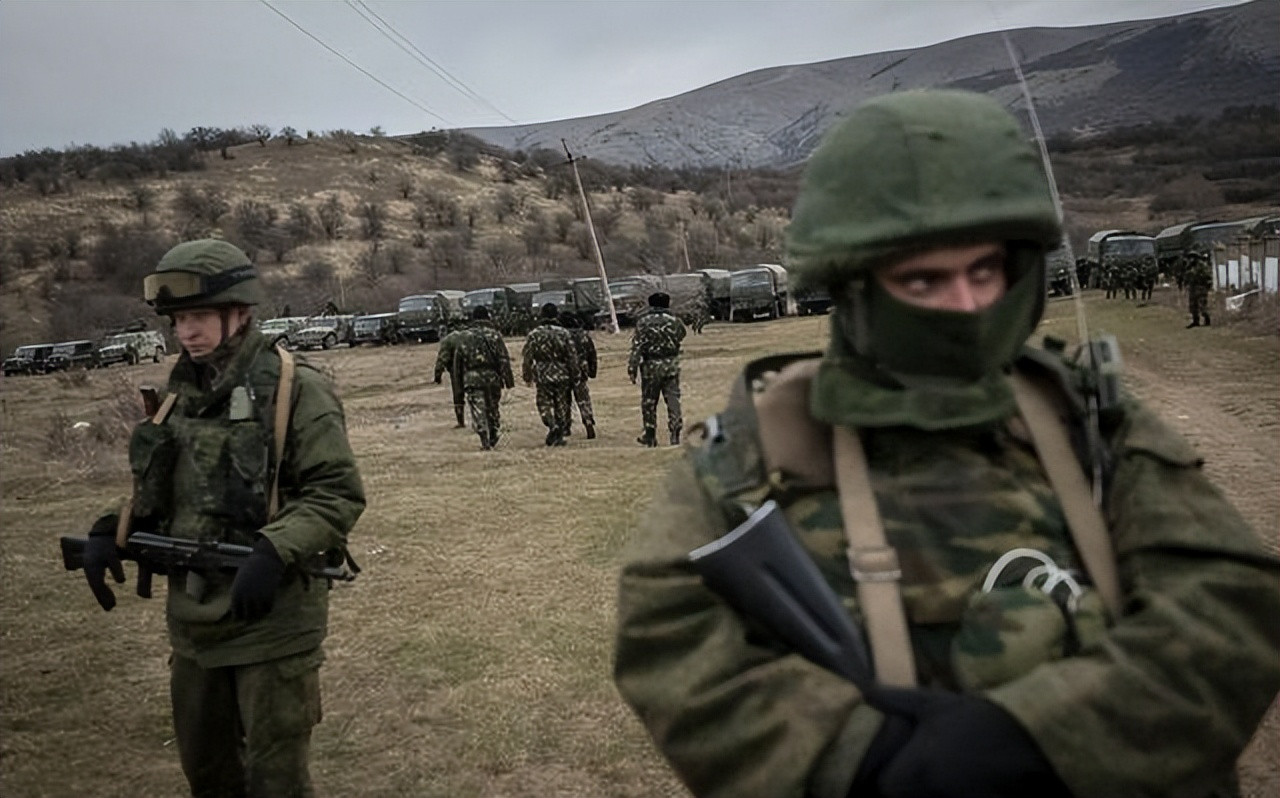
<point x="684" y="245"/>
<point x="595" y="243"/>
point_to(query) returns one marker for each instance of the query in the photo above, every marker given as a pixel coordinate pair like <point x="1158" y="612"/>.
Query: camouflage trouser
<point x="668" y="388"/>
<point x="459" y="398"/>
<point x="486" y="417"/>
<point x="245" y="731"/>
<point x="554" y="400"/>
<point x="1198" y="303"/>
<point x="582" y="395"/>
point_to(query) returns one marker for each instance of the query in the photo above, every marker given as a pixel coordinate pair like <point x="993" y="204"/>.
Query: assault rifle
<point x="760" y="569"/>
<point x="158" y="554"/>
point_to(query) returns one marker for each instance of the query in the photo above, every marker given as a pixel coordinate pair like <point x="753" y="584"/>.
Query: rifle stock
<point x="761" y="570"/>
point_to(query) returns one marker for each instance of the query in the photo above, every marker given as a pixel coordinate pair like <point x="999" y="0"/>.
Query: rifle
<point x="760" y="569"/>
<point x="161" y="554"/>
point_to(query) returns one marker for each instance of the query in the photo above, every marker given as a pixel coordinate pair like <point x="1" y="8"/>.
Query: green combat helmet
<point x="209" y="273"/>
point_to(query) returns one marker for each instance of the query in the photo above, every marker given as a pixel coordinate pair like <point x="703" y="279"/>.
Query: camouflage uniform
<point x="245" y="689"/>
<point x="1198" y="275"/>
<point x="550" y="362"/>
<point x="485" y="365"/>
<point x="444" y="363"/>
<point x="655" y="356"/>
<point x="1020" y="691"/>
<point x="586" y="348"/>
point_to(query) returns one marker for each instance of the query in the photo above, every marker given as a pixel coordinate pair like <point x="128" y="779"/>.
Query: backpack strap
<point x="1053" y="446"/>
<point x="284" y="407"/>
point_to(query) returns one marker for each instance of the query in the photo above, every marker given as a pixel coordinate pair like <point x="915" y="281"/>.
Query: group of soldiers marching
<point x="559" y="358"/>
<point x="1135" y="278"/>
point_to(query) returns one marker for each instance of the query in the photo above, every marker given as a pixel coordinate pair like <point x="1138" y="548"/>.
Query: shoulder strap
<point x="126" y="511"/>
<point x="284" y="407"/>
<point x="1084" y="519"/>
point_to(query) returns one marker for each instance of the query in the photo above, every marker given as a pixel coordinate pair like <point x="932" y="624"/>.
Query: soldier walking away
<point x="485" y="365"/>
<point x="550" y="363"/>
<point x="655" y="356"/>
<point x="1198" y="275"/>
<point x="444" y="364"/>
<point x="587" y="361"/>
<point x="226" y="460"/>
<point x="1003" y="634"/>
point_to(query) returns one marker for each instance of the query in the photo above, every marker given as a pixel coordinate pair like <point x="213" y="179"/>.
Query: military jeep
<point x="29" y="359"/>
<point x="132" y="347"/>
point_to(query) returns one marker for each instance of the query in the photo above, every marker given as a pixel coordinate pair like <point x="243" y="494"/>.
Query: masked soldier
<point x="484" y="364"/>
<point x="444" y="364"/>
<point x="587" y="360"/>
<point x="655" y="356"/>
<point x="1023" y="640"/>
<point x="550" y="363"/>
<point x="244" y="673"/>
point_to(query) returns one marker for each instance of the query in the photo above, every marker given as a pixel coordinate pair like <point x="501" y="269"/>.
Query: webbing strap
<point x="284" y="406"/>
<point x="874" y="565"/>
<point x="126" y="511"/>
<point x="1067" y="478"/>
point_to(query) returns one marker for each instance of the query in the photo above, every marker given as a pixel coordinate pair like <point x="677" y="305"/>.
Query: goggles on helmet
<point x="172" y="286"/>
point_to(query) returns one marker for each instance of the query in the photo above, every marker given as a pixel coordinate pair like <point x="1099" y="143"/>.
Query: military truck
<point x="579" y="297"/>
<point x="131" y="346"/>
<point x="278" y="329"/>
<point x="426" y="317"/>
<point x="631" y="296"/>
<point x="29" y="359"/>
<point x="758" y="292"/>
<point x="690" y="294"/>
<point x="72" y="355"/>
<point x="322" y="332"/>
<point x="509" y="310"/>
<point x="374" y="328"/>
<point x="718" y="288"/>
<point x="814" y="299"/>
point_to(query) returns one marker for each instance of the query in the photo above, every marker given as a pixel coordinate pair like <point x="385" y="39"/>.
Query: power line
<point x="389" y="31"/>
<point x="362" y="70"/>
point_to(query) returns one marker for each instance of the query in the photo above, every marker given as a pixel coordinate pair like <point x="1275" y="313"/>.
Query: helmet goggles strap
<point x="178" y="285"/>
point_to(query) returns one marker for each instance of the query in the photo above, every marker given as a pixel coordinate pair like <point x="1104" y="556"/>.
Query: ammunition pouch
<point x="153" y="453"/>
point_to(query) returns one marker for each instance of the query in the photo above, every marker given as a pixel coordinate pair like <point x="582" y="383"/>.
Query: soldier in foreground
<point x="550" y="363"/>
<point x="444" y="364"/>
<point x="1025" y="642"/>
<point x="483" y="362"/>
<point x="244" y="674"/>
<point x="655" y="356"/>
<point x="1198" y="275"/>
<point x="586" y="348"/>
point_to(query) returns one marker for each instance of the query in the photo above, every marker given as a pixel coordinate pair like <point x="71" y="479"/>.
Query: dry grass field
<point x="472" y="656"/>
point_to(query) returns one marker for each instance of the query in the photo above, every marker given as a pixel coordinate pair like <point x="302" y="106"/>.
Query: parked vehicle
<point x="278" y="329"/>
<point x="29" y="359"/>
<point x="579" y="297"/>
<point x="72" y="355"/>
<point x="131" y="346"/>
<point x="690" y="294"/>
<point x="374" y="328"/>
<point x="509" y="311"/>
<point x="719" y="288"/>
<point x="758" y="292"/>
<point x="322" y="332"/>
<point x="631" y="296"/>
<point x="816" y="299"/>
<point x="426" y="317"/>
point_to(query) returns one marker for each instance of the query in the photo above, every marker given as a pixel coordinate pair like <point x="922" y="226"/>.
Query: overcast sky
<point x="107" y="71"/>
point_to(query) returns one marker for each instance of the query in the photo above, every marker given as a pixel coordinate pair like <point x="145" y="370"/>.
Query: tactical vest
<point x="948" y="512"/>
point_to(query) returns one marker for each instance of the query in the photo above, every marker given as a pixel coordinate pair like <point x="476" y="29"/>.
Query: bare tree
<point x="373" y="221"/>
<point x="261" y="133"/>
<point x="332" y="216"/>
<point x="289" y="135"/>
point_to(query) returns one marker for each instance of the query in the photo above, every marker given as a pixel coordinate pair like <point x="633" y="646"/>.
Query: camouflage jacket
<point x="445" y="355"/>
<point x="550" y="355"/>
<point x="482" y="357"/>
<point x="586" y="347"/>
<point x="207" y="471"/>
<point x="655" y="346"/>
<point x="1160" y="702"/>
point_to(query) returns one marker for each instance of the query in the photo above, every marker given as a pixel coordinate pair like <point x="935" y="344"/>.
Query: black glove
<point x="893" y="734"/>
<point x="963" y="745"/>
<point x="254" y="590"/>
<point x="100" y="556"/>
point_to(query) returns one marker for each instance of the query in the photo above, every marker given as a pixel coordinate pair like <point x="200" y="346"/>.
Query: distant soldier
<point x="655" y="356"/>
<point x="485" y="365"/>
<point x="587" y="360"/>
<point x="551" y="364"/>
<point x="1148" y="274"/>
<point x="445" y="363"/>
<point x="1198" y="276"/>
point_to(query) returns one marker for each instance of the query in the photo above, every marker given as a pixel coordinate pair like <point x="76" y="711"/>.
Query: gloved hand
<point x="254" y="590"/>
<point x="100" y="556"/>
<point x="963" y="745"/>
<point x="437" y="380"/>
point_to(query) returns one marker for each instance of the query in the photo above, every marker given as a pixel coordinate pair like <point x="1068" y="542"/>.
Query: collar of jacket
<point x="185" y="379"/>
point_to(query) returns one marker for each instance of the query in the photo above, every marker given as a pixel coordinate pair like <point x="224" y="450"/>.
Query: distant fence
<point x="1246" y="264"/>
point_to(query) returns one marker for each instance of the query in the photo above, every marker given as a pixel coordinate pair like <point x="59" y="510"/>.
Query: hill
<point x="1084" y="80"/>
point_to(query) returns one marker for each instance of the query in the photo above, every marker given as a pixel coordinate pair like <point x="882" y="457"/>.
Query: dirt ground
<point x="472" y="656"/>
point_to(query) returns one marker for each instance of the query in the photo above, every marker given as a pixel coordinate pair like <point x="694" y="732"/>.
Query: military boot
<point x="457" y="412"/>
<point x="1206" y="319"/>
<point x="591" y="429"/>
<point x="649" y="438"/>
<point x="675" y="437"/>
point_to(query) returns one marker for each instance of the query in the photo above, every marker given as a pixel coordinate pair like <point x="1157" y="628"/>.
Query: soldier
<point x="655" y="355"/>
<point x="1198" y="276"/>
<point x="484" y="363"/>
<point x="1025" y="640"/>
<point x="550" y="362"/>
<point x="244" y="672"/>
<point x="444" y="363"/>
<point x="586" y="347"/>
